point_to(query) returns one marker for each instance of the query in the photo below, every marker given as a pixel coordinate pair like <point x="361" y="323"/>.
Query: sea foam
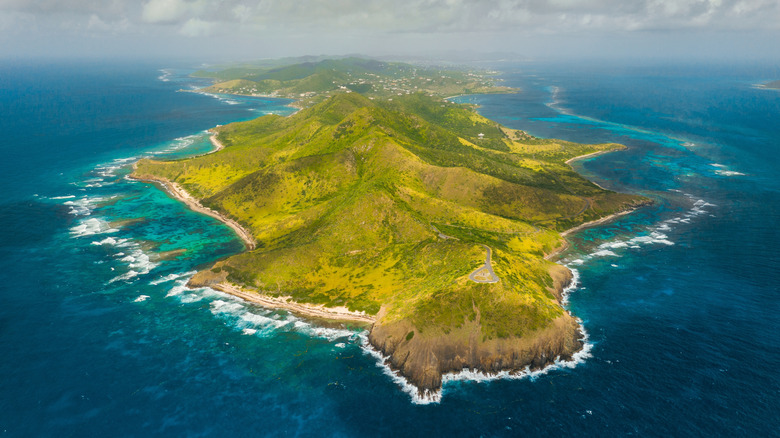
<point x="243" y="315"/>
<point x="653" y="235"/>
<point x="424" y="397"/>
<point x="181" y="143"/>
<point x="83" y="206"/>
<point x="90" y="227"/>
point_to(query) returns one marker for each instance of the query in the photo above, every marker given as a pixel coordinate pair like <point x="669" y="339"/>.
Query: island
<point x="775" y="85"/>
<point x="383" y="203"/>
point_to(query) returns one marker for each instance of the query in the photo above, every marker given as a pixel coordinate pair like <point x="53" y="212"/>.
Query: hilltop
<point x="385" y="207"/>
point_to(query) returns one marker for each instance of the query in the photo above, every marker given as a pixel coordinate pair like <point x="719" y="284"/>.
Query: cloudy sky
<point x="250" y="29"/>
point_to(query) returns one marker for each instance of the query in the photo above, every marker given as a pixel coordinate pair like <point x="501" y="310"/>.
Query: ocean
<point x="680" y="300"/>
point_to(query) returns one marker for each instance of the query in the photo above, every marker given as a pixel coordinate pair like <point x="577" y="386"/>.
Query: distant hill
<point x="314" y="81"/>
<point x="773" y="84"/>
<point x="386" y="206"/>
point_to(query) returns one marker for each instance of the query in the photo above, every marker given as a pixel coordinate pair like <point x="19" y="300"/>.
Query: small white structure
<point x="481" y="136"/>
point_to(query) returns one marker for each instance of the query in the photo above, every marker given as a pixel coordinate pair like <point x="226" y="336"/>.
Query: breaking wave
<point x="249" y="318"/>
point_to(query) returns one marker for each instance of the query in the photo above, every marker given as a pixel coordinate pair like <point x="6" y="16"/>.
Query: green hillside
<point x="383" y="206"/>
<point x="345" y="199"/>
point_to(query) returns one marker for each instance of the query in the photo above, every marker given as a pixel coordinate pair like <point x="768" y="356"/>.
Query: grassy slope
<point x="346" y="200"/>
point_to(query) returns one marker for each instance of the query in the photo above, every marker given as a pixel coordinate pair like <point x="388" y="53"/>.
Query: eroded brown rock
<point x="423" y="358"/>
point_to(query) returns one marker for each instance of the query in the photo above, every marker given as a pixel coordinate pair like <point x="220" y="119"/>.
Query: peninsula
<point x="385" y="204"/>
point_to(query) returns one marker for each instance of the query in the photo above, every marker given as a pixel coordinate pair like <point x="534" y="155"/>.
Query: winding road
<point x="485" y="274"/>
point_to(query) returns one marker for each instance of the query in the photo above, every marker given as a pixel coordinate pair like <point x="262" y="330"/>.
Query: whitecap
<point x="180" y="143"/>
<point x="664" y="227"/>
<point x="603" y="253"/>
<point x="330" y="334"/>
<point x="177" y="290"/>
<point x="220" y="306"/>
<point x="107" y="241"/>
<point x="703" y="203"/>
<point x="660" y="238"/>
<point x="729" y="173"/>
<point x="418" y="397"/>
<point x="83" y="206"/>
<point x="423" y="397"/>
<point x="141" y="298"/>
<point x="165" y="76"/>
<point x="614" y="245"/>
<point x="91" y="227"/>
<point x="573" y="285"/>
<point x="171" y="277"/>
<point x="126" y="276"/>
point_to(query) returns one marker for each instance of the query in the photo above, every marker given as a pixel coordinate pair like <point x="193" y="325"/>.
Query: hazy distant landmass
<point x="383" y="203"/>
<point x="773" y="85"/>
<point x="311" y="81"/>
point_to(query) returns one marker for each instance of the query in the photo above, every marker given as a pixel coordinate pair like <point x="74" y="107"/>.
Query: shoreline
<point x="605" y="219"/>
<point x="564" y="338"/>
<point x="601" y="221"/>
<point x="218" y="146"/>
<point x="286" y="303"/>
<point x="592" y="154"/>
<point x="178" y="193"/>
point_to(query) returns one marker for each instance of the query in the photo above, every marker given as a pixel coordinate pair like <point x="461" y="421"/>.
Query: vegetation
<point x="382" y="205"/>
<point x="317" y="79"/>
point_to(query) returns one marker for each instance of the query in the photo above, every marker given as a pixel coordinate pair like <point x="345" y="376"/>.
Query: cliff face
<point x="424" y="357"/>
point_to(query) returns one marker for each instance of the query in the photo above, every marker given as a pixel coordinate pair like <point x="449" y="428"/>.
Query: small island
<point x="774" y="85"/>
<point x="382" y="203"/>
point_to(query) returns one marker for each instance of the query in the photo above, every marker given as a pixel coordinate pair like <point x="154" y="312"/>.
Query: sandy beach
<point x="178" y="193"/>
<point x="218" y="146"/>
<point x="592" y="154"/>
<point x="598" y="221"/>
<point x="308" y="310"/>
<point x="286" y="303"/>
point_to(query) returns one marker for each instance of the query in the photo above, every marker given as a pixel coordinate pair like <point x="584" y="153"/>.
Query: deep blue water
<point x="99" y="337"/>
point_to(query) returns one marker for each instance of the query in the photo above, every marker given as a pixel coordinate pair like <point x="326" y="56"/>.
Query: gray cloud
<point x="373" y="19"/>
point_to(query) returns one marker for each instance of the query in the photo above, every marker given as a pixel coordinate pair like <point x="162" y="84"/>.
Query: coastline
<point x="600" y="221"/>
<point x="286" y="303"/>
<point x="603" y="220"/>
<point x="218" y="146"/>
<point x="592" y="154"/>
<point x="421" y="360"/>
<point x="178" y="193"/>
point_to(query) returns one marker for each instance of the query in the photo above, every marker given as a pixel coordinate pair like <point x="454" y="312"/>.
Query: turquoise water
<point x="680" y="300"/>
